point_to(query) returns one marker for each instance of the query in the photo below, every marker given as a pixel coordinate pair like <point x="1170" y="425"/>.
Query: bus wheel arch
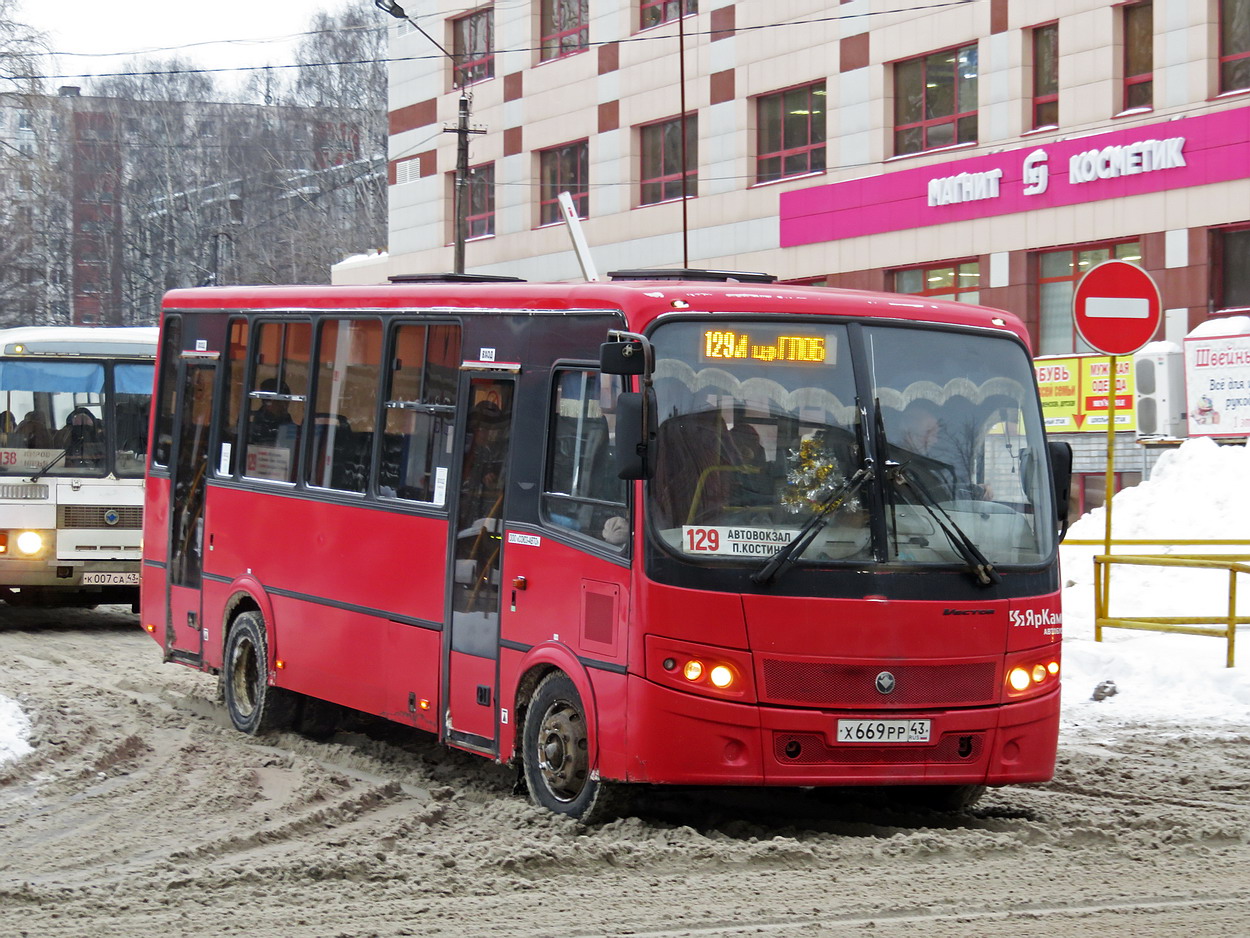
<point x="253" y="704"/>
<point x="541" y="661"/>
<point x="558" y="756"/>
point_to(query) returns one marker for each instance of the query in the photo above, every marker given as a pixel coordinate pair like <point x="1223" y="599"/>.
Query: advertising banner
<point x="1075" y="393"/>
<point x="1217" y="385"/>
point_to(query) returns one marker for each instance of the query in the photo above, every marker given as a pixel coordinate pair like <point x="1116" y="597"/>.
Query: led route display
<point x="723" y="344"/>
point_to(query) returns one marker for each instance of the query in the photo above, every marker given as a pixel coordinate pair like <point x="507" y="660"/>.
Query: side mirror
<point x="628" y="357"/>
<point x="635" y="434"/>
<point x="1061" y="479"/>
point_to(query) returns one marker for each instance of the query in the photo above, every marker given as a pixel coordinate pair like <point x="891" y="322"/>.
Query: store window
<point x="935" y="100"/>
<point x="654" y="12"/>
<point x="790" y="138"/>
<point x="1057" y="275"/>
<point x="1234" y="45"/>
<point x="563" y="169"/>
<point x="661" y="173"/>
<point x="960" y="282"/>
<point x="1046" y="76"/>
<point x="564" y="26"/>
<point x="1139" y="38"/>
<point x="473" y="47"/>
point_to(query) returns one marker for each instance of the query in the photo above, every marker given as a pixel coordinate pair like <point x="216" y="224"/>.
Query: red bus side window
<point x="171" y="347"/>
<point x="581" y="491"/>
<point x="276" y="400"/>
<point x="235" y="367"/>
<point x="349" y="361"/>
<point x="419" y="413"/>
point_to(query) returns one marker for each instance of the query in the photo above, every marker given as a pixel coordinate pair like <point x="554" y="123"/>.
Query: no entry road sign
<point x="1117" y="308"/>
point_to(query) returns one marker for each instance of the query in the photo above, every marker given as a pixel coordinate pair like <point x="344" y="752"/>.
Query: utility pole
<point x="460" y="206"/>
<point x="460" y="201"/>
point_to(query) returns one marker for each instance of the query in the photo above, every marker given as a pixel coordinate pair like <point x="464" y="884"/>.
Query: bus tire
<point x="556" y="756"/>
<point x="253" y="704"/>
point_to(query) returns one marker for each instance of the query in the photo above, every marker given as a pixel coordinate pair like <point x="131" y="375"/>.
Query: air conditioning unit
<point x="1159" y="369"/>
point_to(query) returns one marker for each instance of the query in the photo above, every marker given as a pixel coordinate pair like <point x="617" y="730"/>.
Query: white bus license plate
<point x="883" y="731"/>
<point x="109" y="578"/>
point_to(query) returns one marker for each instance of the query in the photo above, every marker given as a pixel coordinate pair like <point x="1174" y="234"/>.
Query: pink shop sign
<point x="1176" y="154"/>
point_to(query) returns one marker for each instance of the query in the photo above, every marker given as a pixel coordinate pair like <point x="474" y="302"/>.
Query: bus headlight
<point x="29" y="543"/>
<point x="700" y="669"/>
<point x="1032" y="673"/>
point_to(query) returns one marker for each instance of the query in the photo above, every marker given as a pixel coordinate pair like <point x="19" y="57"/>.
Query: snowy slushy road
<point x="141" y="813"/>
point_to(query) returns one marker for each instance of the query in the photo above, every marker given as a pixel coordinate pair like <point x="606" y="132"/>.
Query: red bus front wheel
<point x="254" y="706"/>
<point x="556" y="753"/>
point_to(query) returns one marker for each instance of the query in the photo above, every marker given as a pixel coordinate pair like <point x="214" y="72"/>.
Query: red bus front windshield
<point x="912" y="443"/>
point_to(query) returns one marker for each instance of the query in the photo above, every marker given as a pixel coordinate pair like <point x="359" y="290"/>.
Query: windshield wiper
<point x="59" y="456"/>
<point x="794" y="548"/>
<point x="978" y="564"/>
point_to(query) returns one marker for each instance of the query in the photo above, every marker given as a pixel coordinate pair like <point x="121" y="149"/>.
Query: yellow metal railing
<point x="1185" y="625"/>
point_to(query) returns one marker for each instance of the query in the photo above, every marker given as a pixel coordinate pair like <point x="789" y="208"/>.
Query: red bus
<point x="680" y="528"/>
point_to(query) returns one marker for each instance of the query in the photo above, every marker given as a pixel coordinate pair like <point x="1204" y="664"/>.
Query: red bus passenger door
<point x="189" y="472"/>
<point x="476" y="565"/>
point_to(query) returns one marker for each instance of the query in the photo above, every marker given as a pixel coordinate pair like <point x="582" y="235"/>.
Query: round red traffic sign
<point x="1117" y="308"/>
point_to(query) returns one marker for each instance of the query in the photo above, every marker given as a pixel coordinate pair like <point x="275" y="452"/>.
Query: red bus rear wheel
<point x="557" y="755"/>
<point x="254" y="706"/>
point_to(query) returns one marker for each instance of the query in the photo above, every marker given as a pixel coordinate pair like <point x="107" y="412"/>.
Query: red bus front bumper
<point x="686" y="739"/>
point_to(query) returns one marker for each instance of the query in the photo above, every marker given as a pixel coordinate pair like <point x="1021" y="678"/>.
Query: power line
<point x="498" y="52"/>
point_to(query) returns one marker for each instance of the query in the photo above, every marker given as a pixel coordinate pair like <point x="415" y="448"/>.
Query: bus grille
<point x="92" y="516"/>
<point x="827" y="684"/>
<point x="812" y="749"/>
<point x="24" y="491"/>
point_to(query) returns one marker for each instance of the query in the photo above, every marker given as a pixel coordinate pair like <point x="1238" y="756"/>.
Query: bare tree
<point x="31" y="209"/>
<point x="335" y="204"/>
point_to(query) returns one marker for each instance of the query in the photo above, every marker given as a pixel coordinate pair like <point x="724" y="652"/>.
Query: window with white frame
<point x="564" y="27"/>
<point x="1057" y="276"/>
<point x="661" y="171"/>
<point x="790" y="134"/>
<point x="935" y="100"/>
<point x="473" y="47"/>
<point x="563" y="169"/>
<point x="1234" y="45"/>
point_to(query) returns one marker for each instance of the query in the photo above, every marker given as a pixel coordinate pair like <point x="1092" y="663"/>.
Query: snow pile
<point x="1196" y="492"/>
<point x="14" y="731"/>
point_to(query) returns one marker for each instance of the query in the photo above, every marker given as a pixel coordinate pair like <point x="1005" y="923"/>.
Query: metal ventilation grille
<point x="92" y="516"/>
<point x="812" y="749"/>
<point x="23" y="491"/>
<point x="827" y="684"/>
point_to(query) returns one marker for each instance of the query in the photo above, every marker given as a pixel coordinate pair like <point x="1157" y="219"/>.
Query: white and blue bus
<point x="74" y="405"/>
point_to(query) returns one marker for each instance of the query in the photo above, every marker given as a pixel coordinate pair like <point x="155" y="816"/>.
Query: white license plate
<point x="109" y="578"/>
<point x="883" y="731"/>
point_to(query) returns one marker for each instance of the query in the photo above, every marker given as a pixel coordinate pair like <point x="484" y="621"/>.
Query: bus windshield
<point x="762" y="425"/>
<point x="56" y="417"/>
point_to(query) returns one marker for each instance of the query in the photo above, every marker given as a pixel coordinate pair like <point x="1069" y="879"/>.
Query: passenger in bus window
<point x="33" y="432"/>
<point x="81" y="438"/>
<point x="272" y="416"/>
<point x="751" y="474"/>
<point x="8" y="423"/>
<point x="935" y="454"/>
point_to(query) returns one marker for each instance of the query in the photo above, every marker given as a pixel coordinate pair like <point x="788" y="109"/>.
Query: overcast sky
<point x="215" y="34"/>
